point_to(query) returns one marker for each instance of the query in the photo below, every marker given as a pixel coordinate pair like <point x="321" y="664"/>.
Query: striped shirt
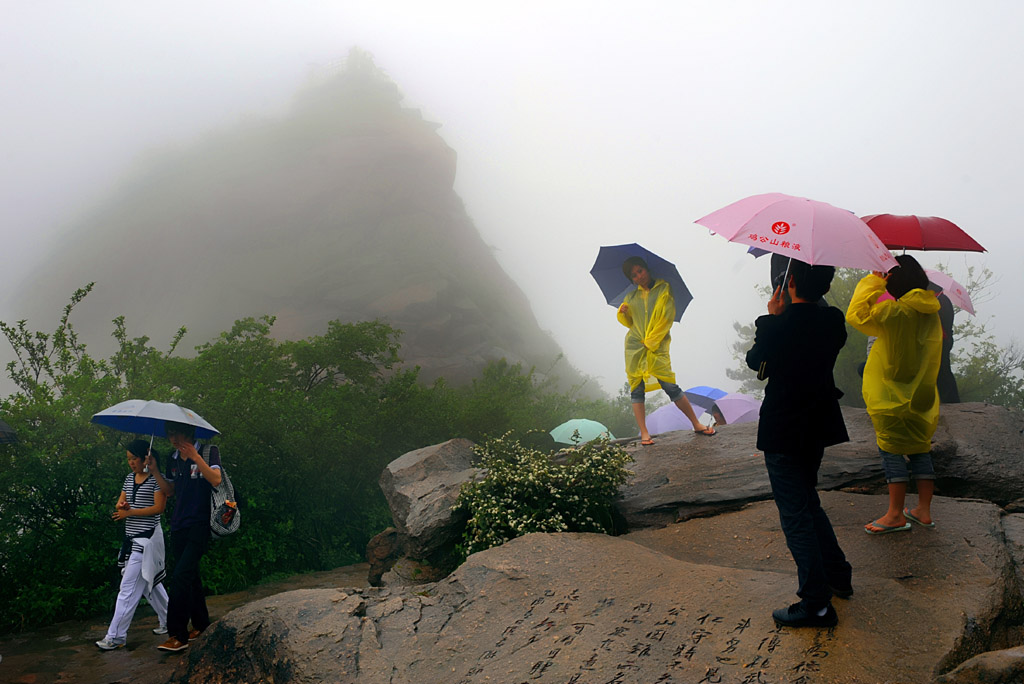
<point x="140" y="496"/>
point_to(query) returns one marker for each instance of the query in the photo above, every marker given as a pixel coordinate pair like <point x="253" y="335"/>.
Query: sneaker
<point x="159" y="630"/>
<point x="797" y="615"/>
<point x="194" y="634"/>
<point x="172" y="645"/>
<point x="108" y="645"/>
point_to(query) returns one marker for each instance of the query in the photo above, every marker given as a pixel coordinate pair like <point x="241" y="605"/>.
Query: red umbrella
<point x="921" y="232"/>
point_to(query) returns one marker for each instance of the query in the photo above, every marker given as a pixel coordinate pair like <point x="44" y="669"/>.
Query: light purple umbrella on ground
<point x="737" y="408"/>
<point x="669" y="418"/>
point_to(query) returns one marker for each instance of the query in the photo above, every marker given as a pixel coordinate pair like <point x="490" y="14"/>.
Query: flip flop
<point x="646" y="442"/>
<point x="708" y="431"/>
<point x="886" y="529"/>
<point x="913" y="518"/>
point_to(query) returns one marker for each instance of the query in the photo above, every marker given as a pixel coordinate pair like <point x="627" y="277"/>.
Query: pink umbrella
<point x="737" y="407"/>
<point x="956" y="292"/>
<point x="669" y="418"/>
<point x="813" y="232"/>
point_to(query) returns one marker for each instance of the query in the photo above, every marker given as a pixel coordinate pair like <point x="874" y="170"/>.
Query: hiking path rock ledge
<point x="686" y="603"/>
<point x="686" y="596"/>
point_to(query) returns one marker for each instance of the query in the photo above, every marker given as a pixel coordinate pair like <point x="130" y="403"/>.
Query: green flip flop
<point x="913" y="518"/>
<point x="885" y="529"/>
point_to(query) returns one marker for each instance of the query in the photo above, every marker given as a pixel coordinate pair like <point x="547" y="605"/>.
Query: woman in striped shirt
<point x="142" y="552"/>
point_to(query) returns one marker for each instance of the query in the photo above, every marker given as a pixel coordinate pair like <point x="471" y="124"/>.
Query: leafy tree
<point x="307" y="427"/>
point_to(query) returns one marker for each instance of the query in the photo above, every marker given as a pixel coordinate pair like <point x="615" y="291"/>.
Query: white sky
<point x="576" y="124"/>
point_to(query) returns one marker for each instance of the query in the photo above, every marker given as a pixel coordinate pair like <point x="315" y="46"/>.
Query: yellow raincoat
<point x="649" y="319"/>
<point x="899" y="377"/>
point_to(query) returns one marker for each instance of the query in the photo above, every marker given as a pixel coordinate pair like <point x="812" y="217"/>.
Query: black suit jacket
<point x="798" y="348"/>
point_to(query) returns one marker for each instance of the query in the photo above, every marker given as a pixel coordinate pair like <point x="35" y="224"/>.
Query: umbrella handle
<point x="785" y="276"/>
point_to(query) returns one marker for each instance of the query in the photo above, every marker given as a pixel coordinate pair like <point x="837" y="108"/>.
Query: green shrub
<point x="525" y="491"/>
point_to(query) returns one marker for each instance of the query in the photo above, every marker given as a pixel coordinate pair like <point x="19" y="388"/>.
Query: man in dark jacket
<point x="795" y="347"/>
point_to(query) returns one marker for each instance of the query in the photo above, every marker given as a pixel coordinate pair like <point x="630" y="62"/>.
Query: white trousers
<point x="133" y="587"/>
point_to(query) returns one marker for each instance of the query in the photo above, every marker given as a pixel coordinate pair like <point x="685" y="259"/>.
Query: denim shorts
<point x="671" y="389"/>
<point x="895" y="466"/>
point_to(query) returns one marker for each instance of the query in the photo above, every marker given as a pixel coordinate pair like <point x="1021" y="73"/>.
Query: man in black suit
<point x="795" y="347"/>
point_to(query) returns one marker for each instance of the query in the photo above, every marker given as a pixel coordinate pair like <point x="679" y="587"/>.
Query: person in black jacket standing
<point x="795" y="347"/>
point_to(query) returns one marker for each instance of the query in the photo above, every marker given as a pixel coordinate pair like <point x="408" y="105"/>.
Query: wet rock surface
<point x="65" y="653"/>
<point x="687" y="602"/>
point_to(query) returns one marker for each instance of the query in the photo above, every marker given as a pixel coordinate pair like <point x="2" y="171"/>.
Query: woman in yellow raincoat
<point x="649" y="312"/>
<point x="899" y="383"/>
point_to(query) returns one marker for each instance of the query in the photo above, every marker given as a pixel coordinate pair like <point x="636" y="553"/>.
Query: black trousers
<point x="187" y="598"/>
<point x="820" y="562"/>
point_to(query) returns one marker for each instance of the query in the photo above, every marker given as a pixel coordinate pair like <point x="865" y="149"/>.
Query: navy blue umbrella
<point x="7" y="435"/>
<point x="607" y="271"/>
<point x="704" y="396"/>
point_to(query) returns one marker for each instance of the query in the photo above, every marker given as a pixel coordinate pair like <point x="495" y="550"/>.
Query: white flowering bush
<point x="525" y="491"/>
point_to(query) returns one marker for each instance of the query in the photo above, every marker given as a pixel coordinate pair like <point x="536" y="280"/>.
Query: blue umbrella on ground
<point x="704" y="396"/>
<point x="607" y="271"/>
<point x="148" y="418"/>
<point x="579" y="430"/>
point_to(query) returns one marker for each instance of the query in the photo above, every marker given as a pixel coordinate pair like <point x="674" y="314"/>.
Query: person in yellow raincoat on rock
<point x="648" y="312"/>
<point x="900" y="383"/>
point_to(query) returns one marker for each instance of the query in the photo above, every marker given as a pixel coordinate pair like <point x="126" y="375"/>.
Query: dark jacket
<point x="798" y="348"/>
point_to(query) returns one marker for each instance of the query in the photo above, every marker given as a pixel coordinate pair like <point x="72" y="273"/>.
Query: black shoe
<point x="797" y="615"/>
<point x="841" y="592"/>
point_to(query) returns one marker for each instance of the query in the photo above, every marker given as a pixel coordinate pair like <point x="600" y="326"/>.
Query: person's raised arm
<point x="166" y="486"/>
<point x="859" y="313"/>
<point x="189" y="453"/>
<point x="624" y="316"/>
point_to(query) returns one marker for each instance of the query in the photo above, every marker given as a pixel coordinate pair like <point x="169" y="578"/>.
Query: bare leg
<point x="894" y="516"/>
<point x="925" y="490"/>
<point x="640" y="413"/>
<point x="684" y="405"/>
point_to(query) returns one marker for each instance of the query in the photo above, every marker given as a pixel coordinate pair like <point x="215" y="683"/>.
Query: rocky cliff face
<point x="345" y="209"/>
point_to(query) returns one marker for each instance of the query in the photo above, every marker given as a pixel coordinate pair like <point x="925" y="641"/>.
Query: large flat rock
<point x="688" y="603"/>
<point x="977" y="451"/>
<point x="685" y="475"/>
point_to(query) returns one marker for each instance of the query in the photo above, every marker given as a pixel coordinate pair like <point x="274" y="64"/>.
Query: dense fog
<point x="576" y="124"/>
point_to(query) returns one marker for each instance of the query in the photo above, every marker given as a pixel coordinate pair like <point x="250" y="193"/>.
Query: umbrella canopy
<point x="800" y="228"/>
<point x="607" y="271"/>
<point x="956" y="292"/>
<point x="704" y="396"/>
<point x="579" y="430"/>
<point x="668" y="418"/>
<point x="148" y="417"/>
<point x="737" y="408"/>
<point x="7" y="435"/>
<point x="921" y="232"/>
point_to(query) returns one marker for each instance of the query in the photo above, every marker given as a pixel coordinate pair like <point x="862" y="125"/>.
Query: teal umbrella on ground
<point x="579" y="430"/>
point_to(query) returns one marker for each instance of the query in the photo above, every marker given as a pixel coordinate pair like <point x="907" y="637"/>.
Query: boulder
<point x="977" y="454"/>
<point x="977" y="450"/>
<point x="995" y="667"/>
<point x="421" y="488"/>
<point x="686" y="603"/>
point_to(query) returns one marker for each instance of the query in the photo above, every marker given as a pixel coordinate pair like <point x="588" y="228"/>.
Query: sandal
<point x="646" y="442"/>
<point x="708" y="431"/>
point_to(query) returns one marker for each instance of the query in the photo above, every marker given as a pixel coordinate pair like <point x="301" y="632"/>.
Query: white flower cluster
<point x="525" y="491"/>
